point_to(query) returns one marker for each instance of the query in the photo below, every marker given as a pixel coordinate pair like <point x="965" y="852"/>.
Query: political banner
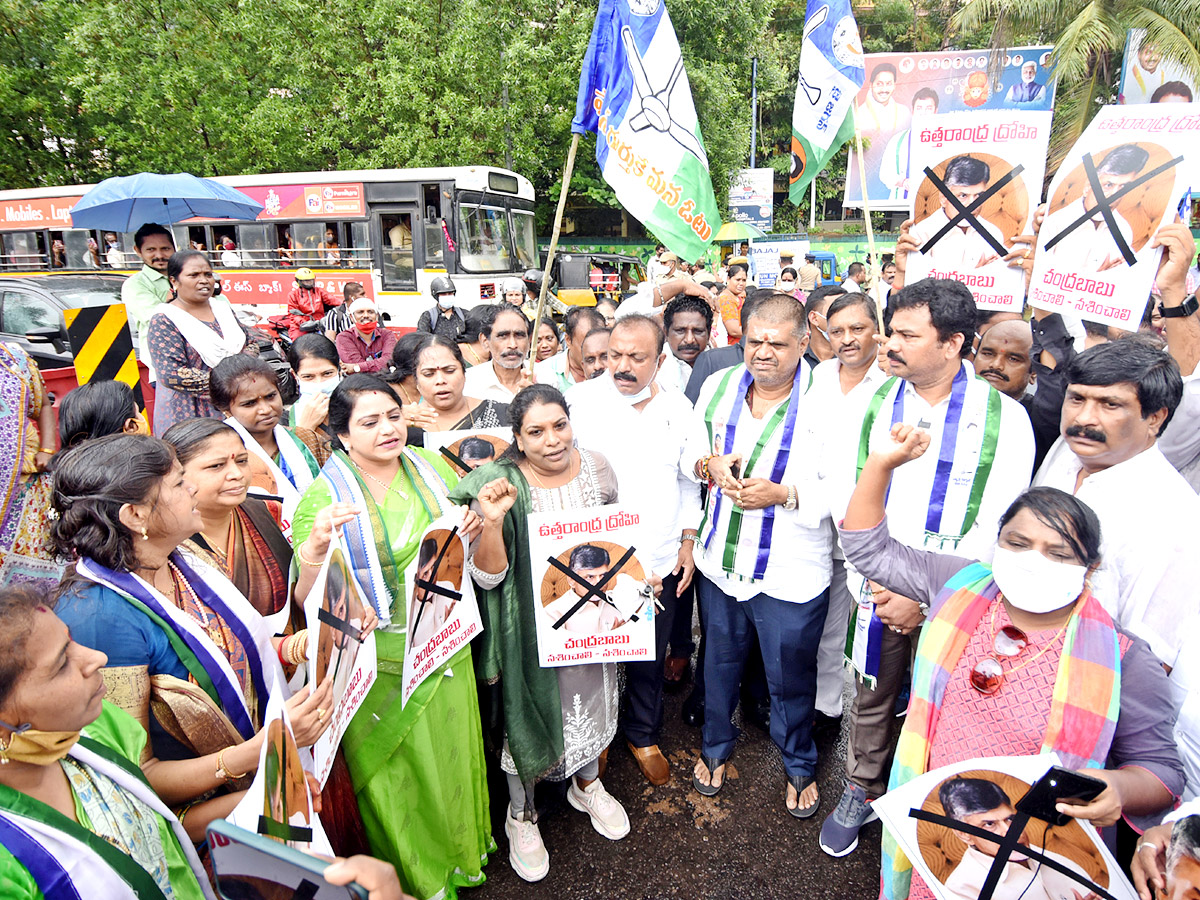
<point x="442" y="614"/>
<point x="767" y="254"/>
<point x="900" y="86"/>
<point x="978" y="822"/>
<point x="634" y="94"/>
<point x="831" y="73"/>
<point x="469" y="448"/>
<point x="1123" y="179"/>
<point x="335" y="612"/>
<point x="752" y="198"/>
<point x="1146" y="77"/>
<point x="278" y="803"/>
<point x="977" y="179"/>
<point x="594" y="603"/>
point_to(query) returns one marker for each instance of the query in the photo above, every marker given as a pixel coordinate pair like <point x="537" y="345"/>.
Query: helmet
<point x="533" y="280"/>
<point x="512" y="285"/>
<point x="305" y="274"/>
<point x="441" y="285"/>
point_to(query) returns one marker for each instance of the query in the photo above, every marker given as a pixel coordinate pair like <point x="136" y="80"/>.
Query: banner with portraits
<point x="594" y="602"/>
<point x="278" y="803"/>
<point x="976" y="180"/>
<point x="1123" y="180"/>
<point x="1146" y="77"/>
<point x="335" y="612"/>
<point x="468" y="449"/>
<point x="902" y="86"/>
<point x="963" y="825"/>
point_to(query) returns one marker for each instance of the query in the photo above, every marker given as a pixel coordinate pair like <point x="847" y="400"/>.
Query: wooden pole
<point x="558" y="214"/>
<point x="862" y="179"/>
<point x="812" y="205"/>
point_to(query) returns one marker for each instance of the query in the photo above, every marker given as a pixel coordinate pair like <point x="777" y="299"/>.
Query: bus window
<point x="435" y="254"/>
<point x="254" y="245"/>
<point x="197" y="239"/>
<point x="398" y="269"/>
<point x="24" y="250"/>
<point x="359" y="249"/>
<point x="525" y="239"/>
<point x="306" y="238"/>
<point x="287" y="247"/>
<point x="79" y="254"/>
<point x="330" y="247"/>
<point x="483" y="239"/>
<point x="179" y="234"/>
<point x="58" y="251"/>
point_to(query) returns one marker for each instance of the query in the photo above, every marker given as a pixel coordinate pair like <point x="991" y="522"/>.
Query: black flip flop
<point x="800" y="782"/>
<point x="712" y="764"/>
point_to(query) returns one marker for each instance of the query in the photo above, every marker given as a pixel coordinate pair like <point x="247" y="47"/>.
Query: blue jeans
<point x="788" y="635"/>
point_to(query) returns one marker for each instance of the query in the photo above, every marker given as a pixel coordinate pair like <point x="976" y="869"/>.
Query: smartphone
<point x="1056" y="786"/>
<point x="736" y="468"/>
<point x="250" y="865"/>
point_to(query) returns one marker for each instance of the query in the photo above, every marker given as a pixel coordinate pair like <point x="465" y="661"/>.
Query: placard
<point x="335" y="612"/>
<point x="980" y="796"/>
<point x="1123" y="179"/>
<point x="752" y="197"/>
<point x="977" y="177"/>
<point x="278" y="803"/>
<point x="594" y="603"/>
<point x="469" y="448"/>
<point x="443" y="615"/>
<point x="1148" y="77"/>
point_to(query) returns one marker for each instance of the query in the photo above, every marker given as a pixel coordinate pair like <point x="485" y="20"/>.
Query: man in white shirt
<point x="641" y="428"/>
<point x="962" y="248"/>
<point x="502" y="378"/>
<point x="1090" y="247"/>
<point x="764" y="555"/>
<point x="856" y="277"/>
<point x="880" y="113"/>
<point x="894" y="166"/>
<point x="565" y="369"/>
<point x="1120" y="396"/>
<point x="987" y="442"/>
<point x="1146" y="74"/>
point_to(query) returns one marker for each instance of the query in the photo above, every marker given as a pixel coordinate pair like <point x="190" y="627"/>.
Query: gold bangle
<point x="223" y="773"/>
<point x="296" y="647"/>
<point x="305" y="561"/>
<point x="49" y="450"/>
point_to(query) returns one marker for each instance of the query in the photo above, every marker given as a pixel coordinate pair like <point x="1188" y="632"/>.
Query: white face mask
<point x="1034" y="584"/>
<point x="445" y="301"/>
<point x="312" y="388"/>
<point x="787" y="286"/>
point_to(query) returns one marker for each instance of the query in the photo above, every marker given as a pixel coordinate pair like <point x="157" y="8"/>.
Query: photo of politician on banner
<point x="1122" y="181"/>
<point x="594" y="599"/>
<point x="977" y="178"/>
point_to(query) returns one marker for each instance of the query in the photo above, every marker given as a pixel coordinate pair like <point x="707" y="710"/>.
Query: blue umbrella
<point x="128" y="202"/>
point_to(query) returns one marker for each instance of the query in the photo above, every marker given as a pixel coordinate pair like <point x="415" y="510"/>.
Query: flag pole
<point x="558" y="214"/>
<point x="862" y="179"/>
<point x="812" y="204"/>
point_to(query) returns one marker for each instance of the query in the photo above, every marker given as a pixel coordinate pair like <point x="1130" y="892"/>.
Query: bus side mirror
<point x="52" y="336"/>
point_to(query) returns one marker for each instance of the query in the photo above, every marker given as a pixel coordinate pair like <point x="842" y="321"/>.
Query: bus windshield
<point x="483" y="239"/>
<point x="525" y="238"/>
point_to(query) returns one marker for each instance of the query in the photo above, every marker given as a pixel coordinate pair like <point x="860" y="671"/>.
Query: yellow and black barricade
<point x="103" y="347"/>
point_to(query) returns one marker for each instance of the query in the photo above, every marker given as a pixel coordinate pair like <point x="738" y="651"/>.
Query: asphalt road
<point x="740" y="844"/>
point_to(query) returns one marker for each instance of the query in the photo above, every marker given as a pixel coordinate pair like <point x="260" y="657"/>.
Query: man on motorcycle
<point x="308" y="300"/>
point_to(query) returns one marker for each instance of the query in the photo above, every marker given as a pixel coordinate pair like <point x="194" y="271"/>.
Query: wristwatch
<point x="792" y="500"/>
<point x="1187" y="308"/>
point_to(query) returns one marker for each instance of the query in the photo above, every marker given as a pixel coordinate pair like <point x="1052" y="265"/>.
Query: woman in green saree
<point x="418" y="772"/>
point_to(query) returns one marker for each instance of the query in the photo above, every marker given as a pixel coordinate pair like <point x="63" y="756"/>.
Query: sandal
<point x="800" y="783"/>
<point x="712" y="764"/>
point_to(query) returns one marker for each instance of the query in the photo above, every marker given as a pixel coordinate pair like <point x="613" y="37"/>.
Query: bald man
<point x="1004" y="357"/>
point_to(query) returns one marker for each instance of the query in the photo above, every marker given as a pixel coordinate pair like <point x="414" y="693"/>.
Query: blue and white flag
<point x="831" y="72"/>
<point x="634" y="94"/>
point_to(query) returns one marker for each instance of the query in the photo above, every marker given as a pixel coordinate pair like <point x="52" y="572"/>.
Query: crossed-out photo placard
<point x="468" y="449"/>
<point x="976" y="180"/>
<point x="593" y="599"/>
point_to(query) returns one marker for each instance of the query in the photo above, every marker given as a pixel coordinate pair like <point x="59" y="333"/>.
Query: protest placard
<point x="1123" y="180"/>
<point x="593" y="601"/>
<point x="335" y="611"/>
<point x="976" y="179"/>
<point x="469" y="448"/>
<point x="278" y="803"/>
<point x="960" y="823"/>
<point x="442" y="613"/>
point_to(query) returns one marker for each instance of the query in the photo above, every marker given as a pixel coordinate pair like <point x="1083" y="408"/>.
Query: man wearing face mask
<point x="365" y="347"/>
<point x="815" y="308"/>
<point x="946" y="500"/>
<point x="444" y="318"/>
<point x="641" y="428"/>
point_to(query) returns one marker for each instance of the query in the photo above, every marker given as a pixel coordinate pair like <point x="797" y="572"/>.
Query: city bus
<point x="393" y="230"/>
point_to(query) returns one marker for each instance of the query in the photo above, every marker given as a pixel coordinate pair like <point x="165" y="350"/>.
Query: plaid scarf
<point x="1083" y="711"/>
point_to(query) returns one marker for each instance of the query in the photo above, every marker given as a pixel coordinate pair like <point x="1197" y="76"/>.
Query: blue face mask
<point x="312" y="388"/>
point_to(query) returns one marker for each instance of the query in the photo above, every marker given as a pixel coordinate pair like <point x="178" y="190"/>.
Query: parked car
<point x="31" y="311"/>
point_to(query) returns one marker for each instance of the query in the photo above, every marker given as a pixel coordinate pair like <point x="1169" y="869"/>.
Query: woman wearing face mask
<point x="365" y="346"/>
<point x="786" y="284"/>
<point x="730" y="300"/>
<point x="285" y="461"/>
<point x="1017" y="658"/>
<point x="314" y="361"/>
<point x="75" y="817"/>
<point x="98" y="408"/>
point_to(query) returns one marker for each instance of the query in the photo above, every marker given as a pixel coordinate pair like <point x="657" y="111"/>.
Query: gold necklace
<point x="474" y="355"/>
<point x="387" y="487"/>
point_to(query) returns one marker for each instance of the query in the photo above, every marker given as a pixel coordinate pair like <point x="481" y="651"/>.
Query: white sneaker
<point x="526" y="852"/>
<point x="607" y="815"/>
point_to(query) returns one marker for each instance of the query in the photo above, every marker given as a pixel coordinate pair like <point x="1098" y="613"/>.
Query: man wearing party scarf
<point x="365" y="347"/>
<point x="748" y="440"/>
<point x="641" y="428"/>
<point x="983" y="461"/>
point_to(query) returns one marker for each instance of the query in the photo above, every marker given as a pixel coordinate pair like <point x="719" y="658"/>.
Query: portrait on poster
<point x="466" y="450"/>
<point x="955" y="825"/>
<point x="1147" y="76"/>
<point x="593" y="598"/>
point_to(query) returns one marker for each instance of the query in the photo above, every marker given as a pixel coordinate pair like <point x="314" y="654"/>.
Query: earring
<point x="145" y="536"/>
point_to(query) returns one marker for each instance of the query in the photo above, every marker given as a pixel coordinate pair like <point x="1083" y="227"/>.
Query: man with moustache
<point x="764" y="545"/>
<point x="502" y="378"/>
<point x="565" y="369"/>
<point x="641" y="429"/>
<point x="687" y="321"/>
<point x="594" y="352"/>
<point x="1004" y="358"/>
<point x="952" y="502"/>
<point x="815" y="309"/>
<point x="850" y="320"/>
<point x="146" y="290"/>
